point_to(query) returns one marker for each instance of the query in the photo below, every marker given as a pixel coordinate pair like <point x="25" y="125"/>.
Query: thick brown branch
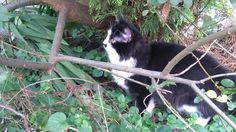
<point x="24" y="64"/>
<point x="25" y="121"/>
<point x="21" y="3"/>
<point x="58" y="34"/>
<point x="196" y="45"/>
<point x="78" y="12"/>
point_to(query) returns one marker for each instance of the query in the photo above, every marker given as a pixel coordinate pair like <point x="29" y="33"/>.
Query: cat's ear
<point x="124" y="37"/>
<point x="119" y="17"/>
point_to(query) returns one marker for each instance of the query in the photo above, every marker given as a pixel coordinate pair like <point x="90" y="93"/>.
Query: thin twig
<point x="32" y="53"/>
<point x="25" y="121"/>
<point x="215" y="76"/>
<point x="103" y="111"/>
<point x="194" y="46"/>
<point x="192" y="65"/>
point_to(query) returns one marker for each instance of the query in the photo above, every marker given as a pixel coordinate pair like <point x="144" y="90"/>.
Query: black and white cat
<point x="125" y="46"/>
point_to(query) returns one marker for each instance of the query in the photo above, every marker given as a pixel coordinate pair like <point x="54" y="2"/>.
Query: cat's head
<point x="122" y="37"/>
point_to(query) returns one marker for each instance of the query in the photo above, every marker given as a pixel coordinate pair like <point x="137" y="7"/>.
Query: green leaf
<point x="211" y="94"/>
<point x="188" y="3"/>
<point x="171" y="119"/>
<point x="133" y="110"/>
<point x="168" y="83"/>
<point x="222" y="98"/>
<point x="145" y="129"/>
<point x="16" y="32"/>
<point x="197" y="100"/>
<point x="199" y="128"/>
<point x="231" y="105"/>
<point x="152" y="88"/>
<point x="45" y="99"/>
<point x="145" y="12"/>
<point x="227" y="83"/>
<point x="75" y="70"/>
<point x="121" y="98"/>
<point x="97" y="73"/>
<point x="57" y="122"/>
<point x="4" y="16"/>
<point x="164" y="128"/>
<point x="41" y="118"/>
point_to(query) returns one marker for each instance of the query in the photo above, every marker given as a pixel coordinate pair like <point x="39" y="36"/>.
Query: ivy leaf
<point x="227" y="83"/>
<point x="145" y="12"/>
<point x="152" y="88"/>
<point x="97" y="73"/>
<point x="133" y="110"/>
<point x="121" y="98"/>
<point x="199" y="128"/>
<point x="197" y="100"/>
<point x="211" y="94"/>
<point x="164" y="128"/>
<point x="57" y="122"/>
<point x="188" y="3"/>
<point x="145" y="129"/>
<point x="222" y="98"/>
<point x="231" y="105"/>
<point x="45" y="99"/>
<point x="171" y="119"/>
<point x="168" y="83"/>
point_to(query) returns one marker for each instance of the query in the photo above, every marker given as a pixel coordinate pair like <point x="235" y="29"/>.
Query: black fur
<point x="155" y="56"/>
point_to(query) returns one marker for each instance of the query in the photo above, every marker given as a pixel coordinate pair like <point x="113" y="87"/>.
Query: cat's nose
<point x="104" y="45"/>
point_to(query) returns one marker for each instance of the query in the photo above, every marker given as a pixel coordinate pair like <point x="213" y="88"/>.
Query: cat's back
<point x="161" y="53"/>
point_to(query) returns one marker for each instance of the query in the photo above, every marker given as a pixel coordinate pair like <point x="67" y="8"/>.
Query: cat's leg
<point x="151" y="105"/>
<point x="203" y="121"/>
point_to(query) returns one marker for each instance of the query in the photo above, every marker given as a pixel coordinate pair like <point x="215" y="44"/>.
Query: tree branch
<point x="77" y="12"/>
<point x="58" y="34"/>
<point x="25" y="64"/>
<point x="196" y="45"/>
<point x="27" y="129"/>
<point x="21" y="3"/>
<point x="148" y="73"/>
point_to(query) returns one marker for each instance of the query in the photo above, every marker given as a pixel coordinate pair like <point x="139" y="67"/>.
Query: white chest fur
<point x="115" y="59"/>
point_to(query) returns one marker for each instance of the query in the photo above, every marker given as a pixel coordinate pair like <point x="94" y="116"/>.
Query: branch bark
<point x="20" y="3"/>
<point x="196" y="45"/>
<point x="25" y="64"/>
<point x="58" y="34"/>
<point x="77" y="12"/>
